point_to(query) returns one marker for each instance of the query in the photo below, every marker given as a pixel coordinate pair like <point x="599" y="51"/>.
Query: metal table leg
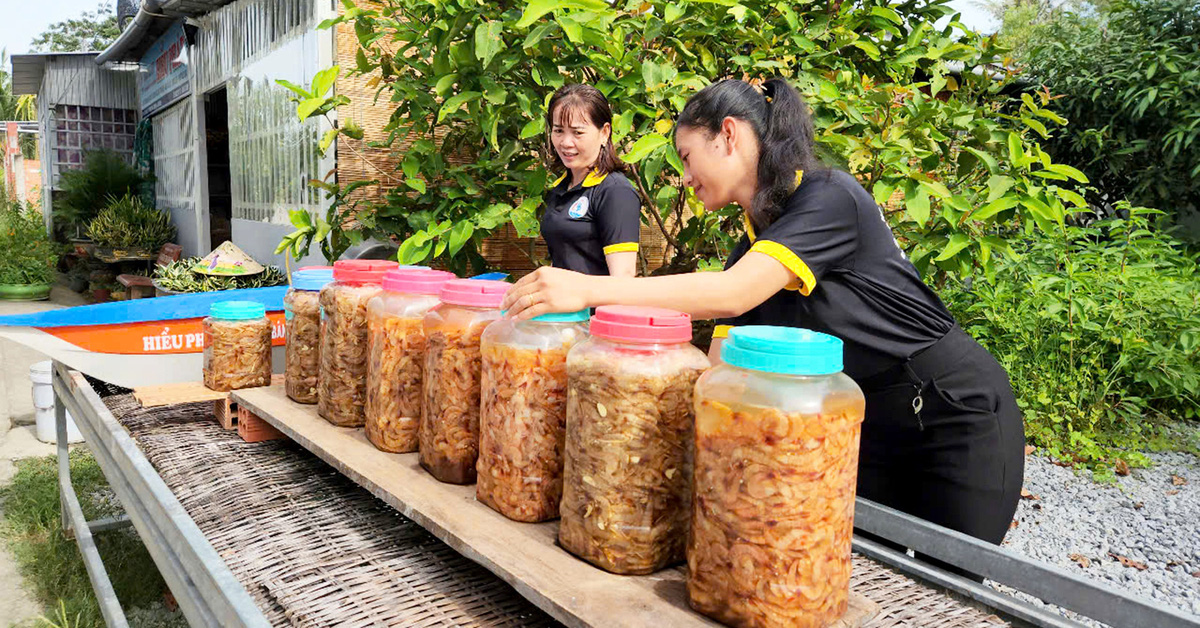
<point x="74" y="521"/>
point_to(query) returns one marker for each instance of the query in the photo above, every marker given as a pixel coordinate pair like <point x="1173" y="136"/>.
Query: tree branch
<point x="653" y="209"/>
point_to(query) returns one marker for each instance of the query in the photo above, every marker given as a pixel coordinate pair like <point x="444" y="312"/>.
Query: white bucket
<point x="43" y="403"/>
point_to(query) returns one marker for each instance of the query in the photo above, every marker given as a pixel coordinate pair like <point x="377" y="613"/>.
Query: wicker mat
<point x="314" y="549"/>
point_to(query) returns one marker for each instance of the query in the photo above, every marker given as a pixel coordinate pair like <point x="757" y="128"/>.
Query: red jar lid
<point x="645" y="325"/>
<point x="361" y="270"/>
<point x="474" y="292"/>
<point x="416" y="281"/>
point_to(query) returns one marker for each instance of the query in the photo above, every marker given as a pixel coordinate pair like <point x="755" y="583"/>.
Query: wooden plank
<point x="525" y="555"/>
<point x="185" y="392"/>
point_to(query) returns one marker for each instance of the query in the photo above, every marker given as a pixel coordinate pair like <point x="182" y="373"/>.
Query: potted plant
<point x="128" y="228"/>
<point x="179" y="278"/>
<point x="81" y="193"/>
<point x="27" y="256"/>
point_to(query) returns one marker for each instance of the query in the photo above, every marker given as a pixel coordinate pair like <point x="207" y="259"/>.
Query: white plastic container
<point x="43" y="403"/>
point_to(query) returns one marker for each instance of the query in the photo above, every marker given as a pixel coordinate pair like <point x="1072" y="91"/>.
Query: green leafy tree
<point x="914" y="111"/>
<point x="92" y="30"/>
<point x="1127" y="76"/>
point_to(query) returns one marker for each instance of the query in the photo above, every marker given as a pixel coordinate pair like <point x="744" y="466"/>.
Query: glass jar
<point x="237" y="346"/>
<point x="628" y="455"/>
<point x="342" y="383"/>
<point x="395" y="320"/>
<point x="302" y="311"/>
<point x="777" y="435"/>
<point x="523" y="414"/>
<point x="449" y="434"/>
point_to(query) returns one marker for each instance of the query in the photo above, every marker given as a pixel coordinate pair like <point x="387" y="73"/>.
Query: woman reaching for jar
<point x="593" y="215"/>
<point x="943" y="437"/>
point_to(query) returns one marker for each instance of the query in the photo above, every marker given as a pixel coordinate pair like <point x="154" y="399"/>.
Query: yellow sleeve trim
<point x="721" y="331"/>
<point x="785" y="256"/>
<point x="624" y="247"/>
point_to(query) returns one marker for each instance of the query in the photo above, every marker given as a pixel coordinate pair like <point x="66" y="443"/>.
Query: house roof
<point x="153" y="19"/>
<point x="29" y="69"/>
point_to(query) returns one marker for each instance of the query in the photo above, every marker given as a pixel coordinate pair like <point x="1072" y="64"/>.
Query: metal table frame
<point x="207" y="592"/>
<point x="209" y="595"/>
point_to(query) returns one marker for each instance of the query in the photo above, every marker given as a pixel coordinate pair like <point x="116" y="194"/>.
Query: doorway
<point x="220" y="196"/>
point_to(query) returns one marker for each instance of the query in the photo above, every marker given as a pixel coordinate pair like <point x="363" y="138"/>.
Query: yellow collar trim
<point x="746" y="216"/>
<point x="593" y="179"/>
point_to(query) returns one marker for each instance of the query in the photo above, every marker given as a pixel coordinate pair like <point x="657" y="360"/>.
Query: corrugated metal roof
<point x="28" y="69"/>
<point x="192" y="8"/>
<point x="74" y="79"/>
<point x="155" y="21"/>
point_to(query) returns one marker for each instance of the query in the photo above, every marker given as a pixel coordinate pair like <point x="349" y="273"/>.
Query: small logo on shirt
<point x="579" y="208"/>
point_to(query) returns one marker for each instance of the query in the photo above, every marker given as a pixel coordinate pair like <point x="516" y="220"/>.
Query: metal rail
<point x="207" y="592"/>
<point x="1049" y="583"/>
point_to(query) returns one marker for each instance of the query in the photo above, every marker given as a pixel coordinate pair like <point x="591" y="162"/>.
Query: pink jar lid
<point x="474" y="292"/>
<point x="416" y="281"/>
<point x="361" y="270"/>
<point x="645" y="325"/>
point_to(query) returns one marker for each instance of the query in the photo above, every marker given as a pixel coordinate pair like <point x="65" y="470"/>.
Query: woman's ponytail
<point x="784" y="146"/>
<point x="780" y="119"/>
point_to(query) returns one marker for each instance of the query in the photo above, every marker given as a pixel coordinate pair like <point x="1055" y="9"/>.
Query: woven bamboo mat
<point x="311" y="547"/>
<point x="315" y="550"/>
<point x="904" y="602"/>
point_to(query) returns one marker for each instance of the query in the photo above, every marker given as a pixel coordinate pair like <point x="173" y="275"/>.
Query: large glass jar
<point x="777" y="435"/>
<point x="302" y="310"/>
<point x="237" y="346"/>
<point x="395" y="319"/>
<point x="449" y="435"/>
<point x="342" y="384"/>
<point x="628" y="456"/>
<point x="523" y="415"/>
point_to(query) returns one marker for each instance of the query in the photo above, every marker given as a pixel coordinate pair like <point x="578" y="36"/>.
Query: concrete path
<point x="17" y="441"/>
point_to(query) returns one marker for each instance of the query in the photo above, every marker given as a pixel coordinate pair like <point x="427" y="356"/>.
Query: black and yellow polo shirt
<point x="581" y="225"/>
<point x="852" y="279"/>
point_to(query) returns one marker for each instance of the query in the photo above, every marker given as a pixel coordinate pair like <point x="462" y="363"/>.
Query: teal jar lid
<point x="581" y="316"/>
<point x="565" y="317"/>
<point x="314" y="279"/>
<point x="237" y="310"/>
<point x="783" y="350"/>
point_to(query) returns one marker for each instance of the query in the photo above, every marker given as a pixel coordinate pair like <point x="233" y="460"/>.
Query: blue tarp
<point x="145" y="310"/>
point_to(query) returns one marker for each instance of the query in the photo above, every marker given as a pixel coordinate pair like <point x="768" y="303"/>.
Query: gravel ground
<point x="1151" y="518"/>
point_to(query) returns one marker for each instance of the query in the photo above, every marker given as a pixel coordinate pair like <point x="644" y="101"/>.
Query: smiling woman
<point x="592" y="212"/>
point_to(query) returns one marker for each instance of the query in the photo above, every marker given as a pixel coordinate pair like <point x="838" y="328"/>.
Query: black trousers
<point x="943" y="439"/>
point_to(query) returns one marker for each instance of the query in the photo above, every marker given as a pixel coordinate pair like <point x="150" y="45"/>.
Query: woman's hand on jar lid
<point x="547" y="291"/>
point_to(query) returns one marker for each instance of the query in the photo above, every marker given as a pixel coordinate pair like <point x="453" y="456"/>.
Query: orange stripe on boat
<point x="151" y="337"/>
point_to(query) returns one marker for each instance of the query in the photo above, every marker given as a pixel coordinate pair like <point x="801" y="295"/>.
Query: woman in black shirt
<point x="593" y="215"/>
<point x="943" y="437"/>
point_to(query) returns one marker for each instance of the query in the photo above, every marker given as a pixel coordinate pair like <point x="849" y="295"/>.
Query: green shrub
<point x="27" y="256"/>
<point x="81" y="193"/>
<point x="1099" y="328"/>
<point x="126" y="223"/>
<point x="903" y="105"/>
<point x="1128" y="79"/>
